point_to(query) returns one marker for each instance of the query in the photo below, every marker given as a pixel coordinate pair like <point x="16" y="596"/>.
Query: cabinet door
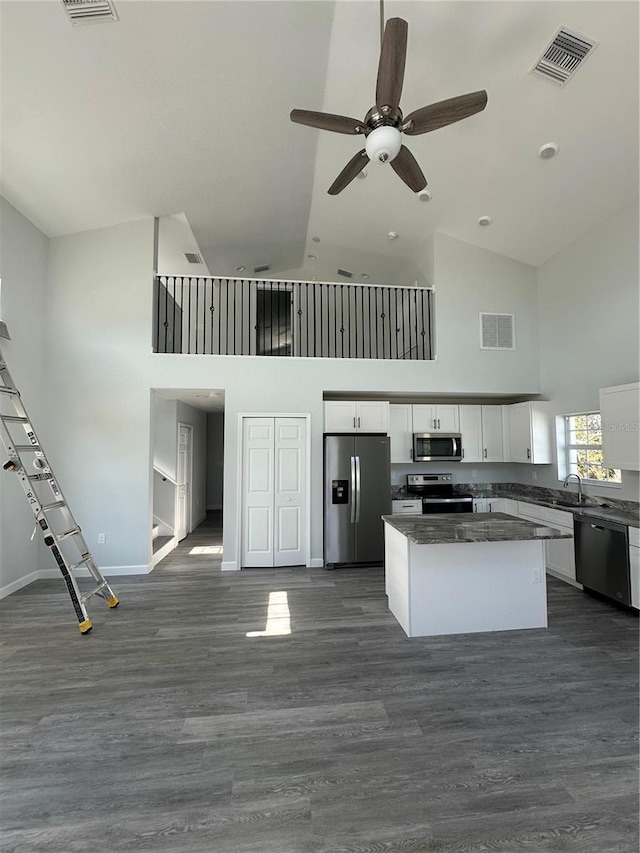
<point x="496" y="505"/>
<point x="480" y="505"/>
<point x="372" y="416"/>
<point x="560" y="557"/>
<point x="401" y="432"/>
<point x="471" y="430"/>
<point x="447" y="418"/>
<point x="339" y="416"/>
<point x="491" y="433"/>
<point x="619" y="408"/>
<point x="634" y="563"/>
<point x="510" y="506"/>
<point x="424" y="418"/>
<point x="520" y="432"/>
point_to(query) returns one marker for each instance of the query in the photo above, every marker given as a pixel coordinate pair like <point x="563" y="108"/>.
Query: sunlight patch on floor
<point x="278" y="617"/>
<point x="205" y="549"/>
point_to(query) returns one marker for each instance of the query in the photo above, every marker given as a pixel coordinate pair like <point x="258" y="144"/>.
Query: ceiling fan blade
<point x="406" y="167"/>
<point x="444" y="113"/>
<point x="391" y="64"/>
<point x="353" y="168"/>
<point x="327" y="121"/>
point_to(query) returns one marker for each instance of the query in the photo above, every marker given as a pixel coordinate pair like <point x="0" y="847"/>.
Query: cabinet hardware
<point x="358" y="423"/>
<point x="434" y="423"/>
<point x="438" y="423"/>
<point x="485" y="453"/>
<point x="528" y="453"/>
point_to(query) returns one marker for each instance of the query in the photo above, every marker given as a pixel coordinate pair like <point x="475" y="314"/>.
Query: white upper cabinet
<point x="481" y="429"/>
<point x="471" y="431"/>
<point x="530" y="433"/>
<point x="620" y="410"/>
<point x="401" y="432"/>
<point x="492" y="434"/>
<point x="356" y="416"/>
<point x="440" y="418"/>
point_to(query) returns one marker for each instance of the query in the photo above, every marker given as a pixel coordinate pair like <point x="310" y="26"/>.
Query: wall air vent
<point x="497" y="331"/>
<point x="345" y="273"/>
<point x="561" y="59"/>
<point x="89" y="11"/>
<point x="193" y="257"/>
<point x="262" y="268"/>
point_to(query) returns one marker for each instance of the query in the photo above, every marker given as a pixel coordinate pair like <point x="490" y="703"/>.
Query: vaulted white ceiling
<point x="183" y="107"/>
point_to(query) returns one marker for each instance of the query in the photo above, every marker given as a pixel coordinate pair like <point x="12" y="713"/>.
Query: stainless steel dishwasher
<point x="602" y="557"/>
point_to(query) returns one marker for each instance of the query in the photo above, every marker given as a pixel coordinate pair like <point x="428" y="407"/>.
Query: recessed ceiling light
<point x="425" y="196"/>
<point x="484" y="221"/>
<point x="311" y="257"/>
<point x="316" y="239"/>
<point x="392" y="235"/>
<point x="548" y="150"/>
<point x="364" y="275"/>
<point x="239" y="269"/>
<point x="363" y="174"/>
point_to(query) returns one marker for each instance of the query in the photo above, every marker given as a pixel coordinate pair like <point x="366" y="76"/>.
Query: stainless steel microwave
<point x="437" y="447"/>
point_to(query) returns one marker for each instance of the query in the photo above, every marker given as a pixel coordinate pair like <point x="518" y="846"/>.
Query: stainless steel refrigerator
<point x="357" y="491"/>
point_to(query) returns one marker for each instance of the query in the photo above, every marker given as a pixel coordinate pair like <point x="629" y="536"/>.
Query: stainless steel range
<point x="436" y="491"/>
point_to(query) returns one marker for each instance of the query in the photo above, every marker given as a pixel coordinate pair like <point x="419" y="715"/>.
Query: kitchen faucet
<point x="579" y="479"/>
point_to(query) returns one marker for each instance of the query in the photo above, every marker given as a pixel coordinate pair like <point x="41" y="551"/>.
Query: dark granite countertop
<point x="479" y="527"/>
<point x="622" y="512"/>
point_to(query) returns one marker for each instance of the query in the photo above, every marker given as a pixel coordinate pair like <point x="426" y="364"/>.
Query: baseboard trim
<point x="163" y="552"/>
<point x="14" y="586"/>
<point x="229" y="566"/>
<point x="202" y="518"/>
<point x="316" y="563"/>
<point x="562" y="577"/>
<point x="214" y="507"/>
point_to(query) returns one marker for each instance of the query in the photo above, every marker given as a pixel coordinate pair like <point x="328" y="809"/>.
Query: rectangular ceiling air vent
<point x="262" y="268"/>
<point x="193" y="257"/>
<point x="563" y="56"/>
<point x="89" y="11"/>
<point x="497" y="331"/>
<point x="345" y="273"/>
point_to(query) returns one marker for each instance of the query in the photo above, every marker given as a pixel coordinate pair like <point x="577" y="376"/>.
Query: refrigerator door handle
<point x="358" y="488"/>
<point x="353" y="490"/>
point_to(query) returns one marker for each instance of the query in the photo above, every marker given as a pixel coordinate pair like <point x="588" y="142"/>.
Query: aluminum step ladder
<point x="60" y="532"/>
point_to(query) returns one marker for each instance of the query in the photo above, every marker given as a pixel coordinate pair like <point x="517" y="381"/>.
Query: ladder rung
<point x="54" y="505"/>
<point x="25" y="448"/>
<point x="67" y="534"/>
<point x="14" y="419"/>
<point x="5" y="390"/>
<point x="99" y="588"/>
<point x="79" y="564"/>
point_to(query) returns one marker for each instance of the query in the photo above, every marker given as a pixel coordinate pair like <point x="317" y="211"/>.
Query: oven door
<point x="430" y="506"/>
<point x="437" y="447"/>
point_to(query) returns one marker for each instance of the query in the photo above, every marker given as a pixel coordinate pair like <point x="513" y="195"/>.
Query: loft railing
<point x="227" y="316"/>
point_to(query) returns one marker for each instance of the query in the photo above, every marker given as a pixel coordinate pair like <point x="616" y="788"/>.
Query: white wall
<point x="589" y="312"/>
<point x="215" y="459"/>
<point x="23" y="265"/>
<point x="98" y="344"/>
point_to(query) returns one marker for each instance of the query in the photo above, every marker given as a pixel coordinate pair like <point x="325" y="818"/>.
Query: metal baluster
<point x="404" y="347"/>
<point x="166" y="314"/>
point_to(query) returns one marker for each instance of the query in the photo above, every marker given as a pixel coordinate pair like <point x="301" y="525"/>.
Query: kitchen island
<point x="464" y="573"/>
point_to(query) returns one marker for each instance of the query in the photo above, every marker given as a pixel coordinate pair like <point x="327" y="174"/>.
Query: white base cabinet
<point x="634" y="563"/>
<point x="407" y="507"/>
<point x="559" y="553"/>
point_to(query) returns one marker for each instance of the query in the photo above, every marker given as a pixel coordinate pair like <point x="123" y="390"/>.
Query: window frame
<point x="565" y="446"/>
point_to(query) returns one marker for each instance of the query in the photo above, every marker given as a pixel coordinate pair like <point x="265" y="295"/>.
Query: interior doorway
<point x="184" y="490"/>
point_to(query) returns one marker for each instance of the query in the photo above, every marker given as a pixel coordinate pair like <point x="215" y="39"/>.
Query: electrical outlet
<point x="534" y="475"/>
<point x="102" y="538"/>
<point x="536" y="575"/>
<point x="474" y="472"/>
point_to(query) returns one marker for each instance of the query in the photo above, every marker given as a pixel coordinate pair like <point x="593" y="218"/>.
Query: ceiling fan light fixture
<point x="425" y="196"/>
<point x="383" y="144"/>
<point x="485" y="221"/>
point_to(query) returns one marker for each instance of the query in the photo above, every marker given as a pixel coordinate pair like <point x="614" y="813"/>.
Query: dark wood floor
<point x="169" y="729"/>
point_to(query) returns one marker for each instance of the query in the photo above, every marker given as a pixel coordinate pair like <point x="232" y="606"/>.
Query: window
<point x="583" y="449"/>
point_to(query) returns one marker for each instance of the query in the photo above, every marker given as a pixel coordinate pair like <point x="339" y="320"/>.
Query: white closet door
<point x="258" y="492"/>
<point x="290" y="492"/>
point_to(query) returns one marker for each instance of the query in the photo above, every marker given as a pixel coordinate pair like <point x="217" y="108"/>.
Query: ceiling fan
<point x="384" y="124"/>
